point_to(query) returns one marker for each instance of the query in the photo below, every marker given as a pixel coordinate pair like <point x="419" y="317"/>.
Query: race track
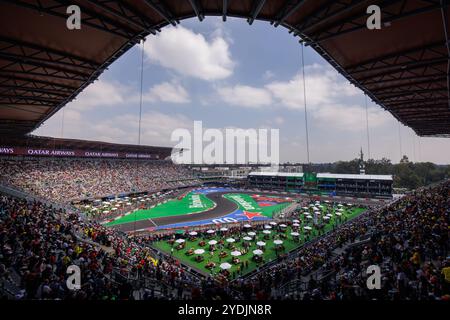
<point x="222" y="208"/>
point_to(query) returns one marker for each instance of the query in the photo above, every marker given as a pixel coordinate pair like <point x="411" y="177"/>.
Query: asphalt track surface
<point x="222" y="208"/>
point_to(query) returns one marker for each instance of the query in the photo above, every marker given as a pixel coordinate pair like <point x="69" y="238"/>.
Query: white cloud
<point x="191" y="54"/>
<point x="323" y="86"/>
<point x="168" y="92"/>
<point x="348" y="118"/>
<point x="156" y="127"/>
<point x="245" y="96"/>
<point x="268" y="75"/>
<point x="101" y="93"/>
<point x="327" y="94"/>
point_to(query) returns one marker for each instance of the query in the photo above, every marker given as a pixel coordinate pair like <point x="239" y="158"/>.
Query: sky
<point x="232" y="75"/>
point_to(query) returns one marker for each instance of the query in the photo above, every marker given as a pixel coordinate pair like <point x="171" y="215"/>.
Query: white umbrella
<point x="305" y="208"/>
<point x="340" y="205"/>
<point x="295" y="234"/>
<point x="251" y="234"/>
<point x="210" y="231"/>
<point x="192" y="233"/>
<point x="247" y="226"/>
<point x="307" y="228"/>
<point x="317" y="213"/>
<point x="316" y="209"/>
<point x="179" y="240"/>
<point x="267" y="231"/>
<point x="247" y="238"/>
<point x="349" y="204"/>
<point x="283" y="225"/>
<point x="277" y="242"/>
<point x="106" y="212"/>
<point x="230" y="240"/>
<point x="273" y="223"/>
<point x="199" y="251"/>
<point x="117" y="206"/>
<point x="261" y="243"/>
<point x="340" y="210"/>
<point x="309" y="217"/>
<point x="296" y="221"/>
<point x="236" y="253"/>
<point x="114" y="209"/>
<point x="338" y="213"/>
<point x="326" y="218"/>
<point x="87" y="206"/>
<point x="295" y="225"/>
<point x="225" y="266"/>
<point x="267" y="227"/>
<point x="212" y="242"/>
<point x="223" y="229"/>
<point x="257" y="252"/>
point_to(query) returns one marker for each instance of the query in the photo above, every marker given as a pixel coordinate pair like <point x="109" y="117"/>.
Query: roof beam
<point x="257" y="7"/>
<point x="391" y="95"/>
<point x="408" y="67"/>
<point x="224" y="10"/>
<point x="33" y="90"/>
<point x="9" y="73"/>
<point x="196" y="6"/>
<point x="414" y="102"/>
<point x="401" y="66"/>
<point x="323" y="15"/>
<point x="51" y="53"/>
<point x="45" y="68"/>
<point x="16" y="98"/>
<point x="38" y="62"/>
<point x="289" y="8"/>
<point x="420" y="51"/>
<point x="93" y="20"/>
<point x="444" y="14"/>
<point x="162" y="10"/>
<point x="408" y="84"/>
<point x="54" y="85"/>
<point x="327" y="34"/>
<point x="121" y="15"/>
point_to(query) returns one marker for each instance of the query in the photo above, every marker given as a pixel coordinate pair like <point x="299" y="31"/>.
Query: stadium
<point x="139" y="226"/>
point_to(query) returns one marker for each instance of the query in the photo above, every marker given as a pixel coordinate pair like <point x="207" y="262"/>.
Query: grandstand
<point x="356" y="185"/>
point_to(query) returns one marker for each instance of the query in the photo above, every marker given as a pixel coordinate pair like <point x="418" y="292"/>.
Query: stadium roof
<point x="404" y="67"/>
<point x="325" y="175"/>
<point x="355" y="176"/>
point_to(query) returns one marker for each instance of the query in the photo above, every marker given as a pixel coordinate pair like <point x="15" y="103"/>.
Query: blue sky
<point x="235" y="75"/>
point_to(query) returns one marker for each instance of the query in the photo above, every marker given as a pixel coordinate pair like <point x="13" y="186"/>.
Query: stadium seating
<point x="62" y="180"/>
<point x="407" y="239"/>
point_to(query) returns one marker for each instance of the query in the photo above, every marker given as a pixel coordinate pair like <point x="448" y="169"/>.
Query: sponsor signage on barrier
<point x="72" y="153"/>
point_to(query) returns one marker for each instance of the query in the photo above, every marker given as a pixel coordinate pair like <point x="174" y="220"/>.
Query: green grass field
<point x="269" y="254"/>
<point x="173" y="207"/>
<point x="265" y="211"/>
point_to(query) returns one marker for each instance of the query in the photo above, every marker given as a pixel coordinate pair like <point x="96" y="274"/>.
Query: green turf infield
<point x="269" y="253"/>
<point x="191" y="203"/>
<point x="247" y="203"/>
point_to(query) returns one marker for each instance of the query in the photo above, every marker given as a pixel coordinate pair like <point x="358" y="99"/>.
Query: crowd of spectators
<point x="407" y="239"/>
<point x="39" y="242"/>
<point x="62" y="180"/>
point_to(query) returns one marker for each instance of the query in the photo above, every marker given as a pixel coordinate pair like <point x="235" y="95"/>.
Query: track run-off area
<point x="202" y="207"/>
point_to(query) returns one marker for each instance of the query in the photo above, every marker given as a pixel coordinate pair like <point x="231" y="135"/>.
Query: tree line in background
<point x="406" y="174"/>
